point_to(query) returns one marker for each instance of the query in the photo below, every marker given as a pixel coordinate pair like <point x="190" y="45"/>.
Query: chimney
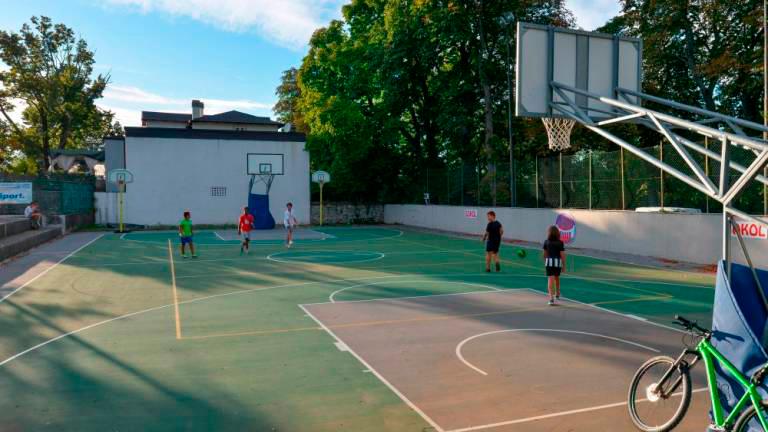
<point x="197" y="109"/>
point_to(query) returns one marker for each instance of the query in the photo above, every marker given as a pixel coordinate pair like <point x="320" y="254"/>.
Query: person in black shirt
<point x="554" y="262"/>
<point x="492" y="237"/>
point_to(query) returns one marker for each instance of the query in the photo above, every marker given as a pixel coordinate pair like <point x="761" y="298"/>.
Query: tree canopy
<point x="50" y="75"/>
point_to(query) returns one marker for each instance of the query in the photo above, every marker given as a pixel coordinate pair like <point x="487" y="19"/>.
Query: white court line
<point x="49" y="268"/>
<point x="639" y="318"/>
<point x="216" y="233"/>
<point x="557" y="414"/>
<point x="477" y="336"/>
<point x="332" y="296"/>
<point x="617" y="313"/>
<point x="298" y="259"/>
<point x="375" y="372"/>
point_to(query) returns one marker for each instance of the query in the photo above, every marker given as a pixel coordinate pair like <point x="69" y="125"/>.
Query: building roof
<point x="209" y="134"/>
<point x="93" y="154"/>
<point x="237" y="117"/>
<point x="225" y="117"/>
<point x="164" y="116"/>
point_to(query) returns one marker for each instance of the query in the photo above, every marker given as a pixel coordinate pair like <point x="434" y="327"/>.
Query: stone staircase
<point x="17" y="236"/>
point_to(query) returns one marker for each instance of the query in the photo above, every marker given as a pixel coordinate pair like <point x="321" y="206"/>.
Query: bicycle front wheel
<point x="749" y="421"/>
<point x="659" y="410"/>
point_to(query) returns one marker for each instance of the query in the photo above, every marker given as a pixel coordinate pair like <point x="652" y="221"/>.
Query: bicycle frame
<point x="709" y="354"/>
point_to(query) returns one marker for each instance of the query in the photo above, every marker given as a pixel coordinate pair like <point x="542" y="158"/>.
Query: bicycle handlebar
<point x="691" y="325"/>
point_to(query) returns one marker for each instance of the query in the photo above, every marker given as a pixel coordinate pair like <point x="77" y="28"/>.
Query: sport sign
<point x="470" y="213"/>
<point x="16" y="193"/>
<point x="750" y="230"/>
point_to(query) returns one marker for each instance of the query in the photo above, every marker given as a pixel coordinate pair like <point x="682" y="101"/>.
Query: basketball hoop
<point x="321" y="178"/>
<point x="558" y="132"/>
<point x="120" y="177"/>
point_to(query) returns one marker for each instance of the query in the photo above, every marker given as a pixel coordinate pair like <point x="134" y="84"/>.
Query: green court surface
<point x="125" y="335"/>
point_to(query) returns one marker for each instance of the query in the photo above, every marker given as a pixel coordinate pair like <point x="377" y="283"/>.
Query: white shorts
<point x="246" y="235"/>
<point x="290" y="228"/>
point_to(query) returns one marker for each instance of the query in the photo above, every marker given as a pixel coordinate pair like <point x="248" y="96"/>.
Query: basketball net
<point x="265" y="178"/>
<point x="558" y="132"/>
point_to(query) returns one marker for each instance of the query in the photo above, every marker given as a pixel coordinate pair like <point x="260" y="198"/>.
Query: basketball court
<point x="373" y="328"/>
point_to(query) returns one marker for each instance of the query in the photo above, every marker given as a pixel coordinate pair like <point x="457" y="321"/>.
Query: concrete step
<point x="11" y="225"/>
<point x="19" y="243"/>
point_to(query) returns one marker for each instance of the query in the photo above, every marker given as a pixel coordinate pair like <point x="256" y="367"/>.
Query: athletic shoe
<point x="290" y="242"/>
<point x="557" y="297"/>
<point x="184" y="256"/>
<point x="194" y="256"/>
<point x="498" y="267"/>
<point x="488" y="270"/>
<point x="551" y="302"/>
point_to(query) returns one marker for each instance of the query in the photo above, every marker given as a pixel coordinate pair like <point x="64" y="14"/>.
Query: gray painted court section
<point x="17" y="272"/>
<point x="680" y="237"/>
<point x="536" y="380"/>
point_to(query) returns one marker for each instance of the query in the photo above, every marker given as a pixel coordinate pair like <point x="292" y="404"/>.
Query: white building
<point x="203" y="163"/>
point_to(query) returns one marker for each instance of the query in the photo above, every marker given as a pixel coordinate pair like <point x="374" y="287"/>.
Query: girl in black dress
<point x="554" y="262"/>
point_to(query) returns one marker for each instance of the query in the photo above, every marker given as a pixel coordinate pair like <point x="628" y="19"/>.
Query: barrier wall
<point x="106" y="208"/>
<point x="347" y="213"/>
<point x="681" y="237"/>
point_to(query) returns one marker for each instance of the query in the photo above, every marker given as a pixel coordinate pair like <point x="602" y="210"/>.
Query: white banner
<point x="470" y="213"/>
<point x="15" y="193"/>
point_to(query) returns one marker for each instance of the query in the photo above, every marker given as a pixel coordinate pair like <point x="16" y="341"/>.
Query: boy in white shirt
<point x="289" y="221"/>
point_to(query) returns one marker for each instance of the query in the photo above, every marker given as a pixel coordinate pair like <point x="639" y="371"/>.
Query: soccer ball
<point x="521" y="253"/>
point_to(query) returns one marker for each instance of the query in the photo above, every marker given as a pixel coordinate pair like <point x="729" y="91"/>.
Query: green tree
<point x="288" y="95"/>
<point x="50" y="70"/>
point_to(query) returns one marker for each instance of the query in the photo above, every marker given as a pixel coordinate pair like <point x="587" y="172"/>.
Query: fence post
<point x="661" y="172"/>
<point x="536" y="179"/>
<point x="590" y="179"/>
<point x="706" y="168"/>
<point x="621" y="161"/>
<point x="561" y="180"/>
<point x="461" y="182"/>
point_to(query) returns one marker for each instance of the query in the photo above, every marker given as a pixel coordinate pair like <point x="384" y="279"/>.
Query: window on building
<point x="218" y="191"/>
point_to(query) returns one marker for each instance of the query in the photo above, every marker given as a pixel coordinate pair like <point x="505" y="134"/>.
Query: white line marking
<point x="122" y="237"/>
<point x="216" y="233"/>
<point x="615" y="313"/>
<point x="557" y="414"/>
<point x="299" y="259"/>
<point x="378" y="375"/>
<point x="461" y="344"/>
<point x="49" y="268"/>
<point x="341" y="346"/>
<point x="332" y="297"/>
<point x="639" y="318"/>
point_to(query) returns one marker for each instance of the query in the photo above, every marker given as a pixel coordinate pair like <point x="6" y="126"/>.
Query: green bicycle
<point x="661" y="389"/>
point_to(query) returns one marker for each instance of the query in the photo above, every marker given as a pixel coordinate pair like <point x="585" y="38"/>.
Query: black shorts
<point x="553" y="271"/>
<point x="492" y="246"/>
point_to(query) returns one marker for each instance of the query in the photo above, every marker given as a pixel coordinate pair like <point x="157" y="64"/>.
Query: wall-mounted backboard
<point x="594" y="62"/>
<point x="266" y="163"/>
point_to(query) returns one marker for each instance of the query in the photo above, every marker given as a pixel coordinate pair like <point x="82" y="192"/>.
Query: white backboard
<point x="321" y="177"/>
<point x="593" y="62"/>
<point x="266" y="163"/>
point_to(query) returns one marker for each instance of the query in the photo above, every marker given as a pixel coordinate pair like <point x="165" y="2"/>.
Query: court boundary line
<point x="376" y="373"/>
<point x="54" y="265"/>
<point x="461" y="344"/>
<point x="557" y="414"/>
<point x="177" y="315"/>
<point x="333" y="294"/>
<point x="380" y="256"/>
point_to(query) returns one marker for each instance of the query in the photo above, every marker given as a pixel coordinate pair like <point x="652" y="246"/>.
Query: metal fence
<point x="609" y="180"/>
<point x="56" y="194"/>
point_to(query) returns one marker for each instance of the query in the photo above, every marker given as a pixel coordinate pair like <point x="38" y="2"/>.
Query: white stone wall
<point x="690" y="238"/>
<point x="174" y="175"/>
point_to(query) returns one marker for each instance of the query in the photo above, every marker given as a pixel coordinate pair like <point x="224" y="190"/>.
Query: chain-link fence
<point x="606" y="180"/>
<point x="56" y="194"/>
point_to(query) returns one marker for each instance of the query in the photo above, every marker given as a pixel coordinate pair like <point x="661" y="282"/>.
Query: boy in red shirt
<point x="244" y="227"/>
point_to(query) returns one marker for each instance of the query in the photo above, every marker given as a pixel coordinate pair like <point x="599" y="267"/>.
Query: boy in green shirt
<point x="185" y="232"/>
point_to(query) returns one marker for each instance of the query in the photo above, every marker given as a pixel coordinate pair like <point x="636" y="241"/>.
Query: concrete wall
<point x="172" y="175"/>
<point x="235" y="126"/>
<point x="347" y="213"/>
<point x="691" y="238"/>
<point x="106" y="208"/>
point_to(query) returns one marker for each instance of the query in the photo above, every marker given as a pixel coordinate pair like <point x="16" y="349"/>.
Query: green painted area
<point x="249" y="358"/>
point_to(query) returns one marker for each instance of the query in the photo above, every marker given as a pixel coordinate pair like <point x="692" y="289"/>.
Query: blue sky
<point x="161" y="54"/>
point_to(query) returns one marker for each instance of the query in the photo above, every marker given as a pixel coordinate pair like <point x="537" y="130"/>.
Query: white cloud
<point x="289" y="23"/>
<point x="127" y="102"/>
<point x="591" y="14"/>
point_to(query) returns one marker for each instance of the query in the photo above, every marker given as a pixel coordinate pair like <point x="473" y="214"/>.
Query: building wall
<point x="106" y="207"/>
<point x="690" y="238"/>
<point x="172" y="175"/>
<point x="165" y="124"/>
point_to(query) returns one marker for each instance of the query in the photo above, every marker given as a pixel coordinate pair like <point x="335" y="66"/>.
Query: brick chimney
<point x="197" y="109"/>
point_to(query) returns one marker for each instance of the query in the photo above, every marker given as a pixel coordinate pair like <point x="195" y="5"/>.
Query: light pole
<point x="508" y="20"/>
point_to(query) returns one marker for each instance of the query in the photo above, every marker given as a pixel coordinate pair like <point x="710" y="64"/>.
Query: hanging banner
<point x="470" y="213"/>
<point x="15" y="193"/>
<point x="566" y="223"/>
<point x="750" y="230"/>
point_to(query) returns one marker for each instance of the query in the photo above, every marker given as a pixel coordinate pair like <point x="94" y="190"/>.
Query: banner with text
<point x="16" y="193"/>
